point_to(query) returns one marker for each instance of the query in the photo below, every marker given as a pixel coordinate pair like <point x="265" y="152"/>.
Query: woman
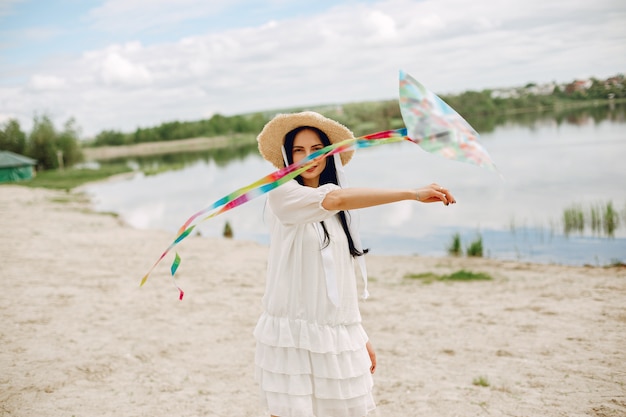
<point x="313" y="357"/>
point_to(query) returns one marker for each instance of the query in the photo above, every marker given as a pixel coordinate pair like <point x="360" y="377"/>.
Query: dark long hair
<point x="328" y="176"/>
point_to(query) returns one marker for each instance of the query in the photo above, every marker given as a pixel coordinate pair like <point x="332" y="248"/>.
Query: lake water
<point x="548" y="167"/>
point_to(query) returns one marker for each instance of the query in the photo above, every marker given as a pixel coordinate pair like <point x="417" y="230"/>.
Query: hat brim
<point x="272" y="137"/>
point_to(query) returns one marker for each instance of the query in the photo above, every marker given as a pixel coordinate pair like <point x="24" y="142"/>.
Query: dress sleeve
<point x="293" y="203"/>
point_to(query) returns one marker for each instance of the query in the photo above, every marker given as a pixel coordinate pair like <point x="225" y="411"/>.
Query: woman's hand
<point x="370" y="351"/>
<point x="434" y="193"/>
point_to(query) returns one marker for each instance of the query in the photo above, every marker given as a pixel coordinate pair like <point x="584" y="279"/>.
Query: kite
<point x="429" y="121"/>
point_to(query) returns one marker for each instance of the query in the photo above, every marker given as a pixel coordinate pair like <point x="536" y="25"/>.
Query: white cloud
<point x="117" y="69"/>
<point x="43" y="82"/>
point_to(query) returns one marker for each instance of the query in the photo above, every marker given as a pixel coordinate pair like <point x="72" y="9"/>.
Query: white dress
<point x="311" y="358"/>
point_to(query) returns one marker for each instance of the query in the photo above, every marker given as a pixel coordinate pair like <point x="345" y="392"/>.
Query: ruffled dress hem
<point x="306" y="369"/>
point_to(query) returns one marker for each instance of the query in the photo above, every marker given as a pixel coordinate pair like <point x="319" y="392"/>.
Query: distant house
<point x="505" y="93"/>
<point x="14" y="167"/>
<point x="578" y="85"/>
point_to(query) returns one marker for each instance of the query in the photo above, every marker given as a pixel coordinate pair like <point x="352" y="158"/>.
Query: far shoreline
<point x="104" y="153"/>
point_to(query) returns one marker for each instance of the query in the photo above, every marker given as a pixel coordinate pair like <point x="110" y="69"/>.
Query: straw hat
<point x="272" y="137"/>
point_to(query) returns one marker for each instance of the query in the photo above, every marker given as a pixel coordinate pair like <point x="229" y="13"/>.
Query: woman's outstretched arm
<point x="356" y="198"/>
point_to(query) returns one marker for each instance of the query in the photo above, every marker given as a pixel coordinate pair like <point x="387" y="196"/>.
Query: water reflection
<point x="579" y="116"/>
<point x="550" y="165"/>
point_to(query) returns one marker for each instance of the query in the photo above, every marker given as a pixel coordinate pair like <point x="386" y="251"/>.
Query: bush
<point x="475" y="248"/>
<point x="228" y="230"/>
<point x="455" y="246"/>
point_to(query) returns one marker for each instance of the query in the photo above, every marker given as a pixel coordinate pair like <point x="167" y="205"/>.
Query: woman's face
<point x="305" y="143"/>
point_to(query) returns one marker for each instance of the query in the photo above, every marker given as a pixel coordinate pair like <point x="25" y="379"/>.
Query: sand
<point x="79" y="336"/>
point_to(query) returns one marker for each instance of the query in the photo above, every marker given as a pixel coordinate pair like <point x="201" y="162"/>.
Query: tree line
<point x="218" y="125"/>
<point x="50" y="147"/>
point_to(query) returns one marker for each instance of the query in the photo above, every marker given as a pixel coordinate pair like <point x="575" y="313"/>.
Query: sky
<point x="124" y="64"/>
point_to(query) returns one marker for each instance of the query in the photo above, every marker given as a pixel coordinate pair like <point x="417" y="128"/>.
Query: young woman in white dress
<point x="313" y="357"/>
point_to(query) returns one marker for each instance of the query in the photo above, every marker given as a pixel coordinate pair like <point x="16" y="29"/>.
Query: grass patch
<point x="464" y="275"/>
<point x="455" y="249"/>
<point x="71" y="178"/>
<point x="481" y="381"/>
<point x="461" y="275"/>
<point x="475" y="248"/>
<point x="600" y="218"/>
<point x="574" y="219"/>
<point x="426" y="277"/>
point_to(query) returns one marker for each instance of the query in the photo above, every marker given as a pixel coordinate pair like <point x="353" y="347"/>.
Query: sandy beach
<point x="80" y="338"/>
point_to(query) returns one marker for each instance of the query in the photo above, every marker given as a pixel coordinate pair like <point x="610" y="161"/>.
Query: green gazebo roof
<point x="9" y="159"/>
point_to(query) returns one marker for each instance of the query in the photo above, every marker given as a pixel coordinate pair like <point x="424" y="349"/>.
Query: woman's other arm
<point x="372" y="354"/>
<point x="356" y="198"/>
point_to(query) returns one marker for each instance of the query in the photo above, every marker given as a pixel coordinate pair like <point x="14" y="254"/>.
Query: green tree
<point x="51" y="148"/>
<point x="110" y="137"/>
<point x="68" y="143"/>
<point x="474" y="102"/>
<point x="144" y="135"/>
<point x="168" y="131"/>
<point x="219" y="125"/>
<point x="257" y="121"/>
<point x="597" y="89"/>
<point x="12" y="138"/>
<point x="42" y="143"/>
